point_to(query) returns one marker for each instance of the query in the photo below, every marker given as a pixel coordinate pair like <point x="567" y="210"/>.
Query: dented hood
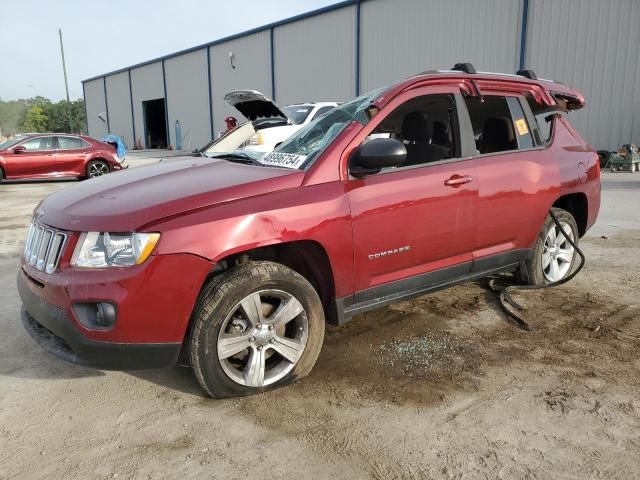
<point x="130" y="199"/>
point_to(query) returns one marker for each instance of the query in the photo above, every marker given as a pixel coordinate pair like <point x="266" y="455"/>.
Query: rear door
<point x="36" y="160"/>
<point x="70" y="154"/>
<point x="514" y="175"/>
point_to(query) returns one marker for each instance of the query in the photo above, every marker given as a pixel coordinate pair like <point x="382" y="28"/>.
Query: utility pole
<point x="66" y="84"/>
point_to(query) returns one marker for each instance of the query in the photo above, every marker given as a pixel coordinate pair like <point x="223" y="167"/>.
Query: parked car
<point x="232" y="266"/>
<point x="56" y="155"/>
<point x="273" y="124"/>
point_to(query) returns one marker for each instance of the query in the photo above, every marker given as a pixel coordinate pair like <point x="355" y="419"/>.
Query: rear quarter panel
<point x="579" y="167"/>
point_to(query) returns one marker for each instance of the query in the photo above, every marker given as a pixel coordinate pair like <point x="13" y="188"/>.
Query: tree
<point x="12" y="115"/>
<point x="66" y="116"/>
<point x="35" y="120"/>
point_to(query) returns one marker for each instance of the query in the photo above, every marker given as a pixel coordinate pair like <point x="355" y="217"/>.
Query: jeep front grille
<point x="43" y="247"/>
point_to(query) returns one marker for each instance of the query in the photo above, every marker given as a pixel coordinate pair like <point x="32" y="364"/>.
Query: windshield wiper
<point x="237" y="157"/>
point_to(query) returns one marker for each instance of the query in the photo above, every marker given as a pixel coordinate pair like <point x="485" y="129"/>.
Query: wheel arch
<point x="306" y="257"/>
<point x="577" y="205"/>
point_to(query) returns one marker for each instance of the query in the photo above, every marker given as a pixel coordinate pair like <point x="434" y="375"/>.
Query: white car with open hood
<point x="272" y="124"/>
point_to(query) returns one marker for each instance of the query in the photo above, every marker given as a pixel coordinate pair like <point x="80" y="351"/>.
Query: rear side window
<point x="70" y="143"/>
<point x="499" y="124"/>
<point x="545" y="125"/>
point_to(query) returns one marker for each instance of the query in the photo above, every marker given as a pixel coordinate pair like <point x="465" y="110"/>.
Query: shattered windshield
<point x="303" y="147"/>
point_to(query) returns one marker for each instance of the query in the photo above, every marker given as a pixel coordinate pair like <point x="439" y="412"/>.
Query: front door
<point x="34" y="160"/>
<point x="413" y="225"/>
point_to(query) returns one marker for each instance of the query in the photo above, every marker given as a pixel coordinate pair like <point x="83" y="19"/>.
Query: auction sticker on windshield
<point x="288" y="160"/>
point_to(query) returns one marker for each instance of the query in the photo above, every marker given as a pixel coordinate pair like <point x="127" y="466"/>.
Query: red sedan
<point x="51" y="155"/>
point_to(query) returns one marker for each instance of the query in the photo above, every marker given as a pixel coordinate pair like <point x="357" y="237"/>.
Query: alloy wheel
<point x="97" y="169"/>
<point x="558" y="253"/>
<point x="263" y="338"/>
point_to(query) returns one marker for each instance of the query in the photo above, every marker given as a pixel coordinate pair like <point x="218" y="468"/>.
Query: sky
<point x="101" y="36"/>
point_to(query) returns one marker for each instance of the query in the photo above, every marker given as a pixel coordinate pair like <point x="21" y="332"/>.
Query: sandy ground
<point x="440" y="387"/>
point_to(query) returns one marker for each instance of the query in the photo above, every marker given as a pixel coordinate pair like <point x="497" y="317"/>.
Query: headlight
<point x="103" y="249"/>
<point x="256" y="139"/>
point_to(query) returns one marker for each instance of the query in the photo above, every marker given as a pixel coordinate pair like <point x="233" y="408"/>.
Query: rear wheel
<point x="97" y="168"/>
<point x="553" y="256"/>
<point x="257" y="327"/>
<point x="1" y="174"/>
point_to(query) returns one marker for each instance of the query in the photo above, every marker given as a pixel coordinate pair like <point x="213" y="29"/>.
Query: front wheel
<point x="97" y="168"/>
<point x="257" y="327"/>
<point x="553" y="256"/>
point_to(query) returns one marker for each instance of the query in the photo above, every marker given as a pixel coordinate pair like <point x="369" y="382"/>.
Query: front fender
<point x="317" y="213"/>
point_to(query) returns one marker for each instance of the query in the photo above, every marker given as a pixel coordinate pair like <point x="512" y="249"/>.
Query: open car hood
<point x="253" y="105"/>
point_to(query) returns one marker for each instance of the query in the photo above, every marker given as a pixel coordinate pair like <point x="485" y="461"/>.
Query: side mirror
<point x="19" y="149"/>
<point x="375" y="155"/>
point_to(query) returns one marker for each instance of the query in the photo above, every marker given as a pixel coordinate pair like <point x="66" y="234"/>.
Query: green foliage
<point x="12" y="115"/>
<point x="39" y="114"/>
<point x="35" y="120"/>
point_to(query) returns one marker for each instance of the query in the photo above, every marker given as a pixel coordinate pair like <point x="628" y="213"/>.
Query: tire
<point x="229" y="338"/>
<point x="1" y="174"/>
<point x="560" y="257"/>
<point x="97" y="168"/>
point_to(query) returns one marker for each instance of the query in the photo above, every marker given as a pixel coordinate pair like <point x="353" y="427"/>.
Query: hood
<point x="253" y="105"/>
<point x="127" y="200"/>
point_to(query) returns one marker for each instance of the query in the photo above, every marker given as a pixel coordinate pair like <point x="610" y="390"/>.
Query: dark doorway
<point x="155" y="123"/>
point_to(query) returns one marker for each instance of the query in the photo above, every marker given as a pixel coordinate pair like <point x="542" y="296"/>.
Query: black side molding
<point x="376" y="297"/>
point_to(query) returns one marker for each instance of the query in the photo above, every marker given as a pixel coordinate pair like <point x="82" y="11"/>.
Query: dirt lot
<point x="440" y="387"/>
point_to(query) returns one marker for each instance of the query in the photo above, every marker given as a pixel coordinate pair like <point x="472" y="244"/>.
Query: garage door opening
<point x="155" y="121"/>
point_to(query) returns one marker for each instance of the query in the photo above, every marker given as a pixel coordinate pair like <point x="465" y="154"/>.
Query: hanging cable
<point x="510" y="306"/>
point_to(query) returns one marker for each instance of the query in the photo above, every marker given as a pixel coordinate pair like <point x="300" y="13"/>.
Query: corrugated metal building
<point x="354" y="46"/>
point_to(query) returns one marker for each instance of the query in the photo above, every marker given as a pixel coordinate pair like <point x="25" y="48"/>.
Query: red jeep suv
<point x="232" y="265"/>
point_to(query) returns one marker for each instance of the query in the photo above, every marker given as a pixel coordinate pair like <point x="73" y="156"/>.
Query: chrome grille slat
<point x="27" y="244"/>
<point x="43" y="247"/>
<point x="36" y="245"/>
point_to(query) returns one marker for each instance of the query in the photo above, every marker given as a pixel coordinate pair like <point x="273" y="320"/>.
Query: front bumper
<point x="53" y="330"/>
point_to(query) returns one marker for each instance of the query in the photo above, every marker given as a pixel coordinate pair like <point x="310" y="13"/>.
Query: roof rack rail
<point x="465" y="67"/>
<point x="530" y="74"/>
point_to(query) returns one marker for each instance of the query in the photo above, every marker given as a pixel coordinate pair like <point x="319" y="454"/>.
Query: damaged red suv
<point x="233" y="265"/>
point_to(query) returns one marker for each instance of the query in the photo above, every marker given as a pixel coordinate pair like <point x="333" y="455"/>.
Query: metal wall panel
<point x="95" y="104"/>
<point x="315" y="58"/>
<point x="119" y="103"/>
<point x="146" y="84"/>
<point x="252" y="61"/>
<point x="400" y="38"/>
<point x="592" y="45"/>
<point x="188" y="98"/>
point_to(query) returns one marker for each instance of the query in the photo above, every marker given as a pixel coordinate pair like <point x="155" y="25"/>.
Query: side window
<point x="499" y="124"/>
<point x="545" y="125"/>
<point x="321" y="111"/>
<point x="427" y="125"/>
<point x="70" y="143"/>
<point x="38" y="143"/>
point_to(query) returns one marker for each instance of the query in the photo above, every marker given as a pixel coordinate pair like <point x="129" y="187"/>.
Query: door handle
<point x="457" y="180"/>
